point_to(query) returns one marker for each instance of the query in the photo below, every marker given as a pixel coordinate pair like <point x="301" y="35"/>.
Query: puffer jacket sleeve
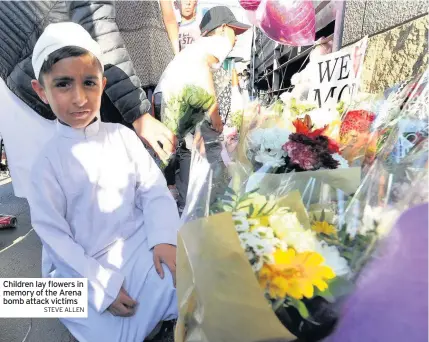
<point x="123" y="85"/>
<point x="21" y="23"/>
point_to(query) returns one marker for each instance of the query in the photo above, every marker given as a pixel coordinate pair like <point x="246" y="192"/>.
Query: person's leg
<point x="156" y="297"/>
<point x="170" y="171"/>
<point x="182" y="177"/>
<point x="219" y="174"/>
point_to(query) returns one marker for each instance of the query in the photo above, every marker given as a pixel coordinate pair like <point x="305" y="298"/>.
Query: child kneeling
<point x="99" y="203"/>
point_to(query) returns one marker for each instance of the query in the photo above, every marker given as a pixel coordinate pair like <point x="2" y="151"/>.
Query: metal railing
<point x="276" y="76"/>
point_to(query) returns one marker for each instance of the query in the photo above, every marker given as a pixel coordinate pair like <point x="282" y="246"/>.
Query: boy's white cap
<point x="59" y="35"/>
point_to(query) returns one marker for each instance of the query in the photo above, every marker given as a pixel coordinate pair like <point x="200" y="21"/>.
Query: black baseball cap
<point x="219" y="15"/>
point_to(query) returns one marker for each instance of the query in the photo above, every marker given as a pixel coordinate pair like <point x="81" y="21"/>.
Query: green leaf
<point x="325" y="294"/>
<point x="340" y="286"/>
<point x="300" y="306"/>
<point x="262" y="209"/>
<point x="251" y="209"/>
<point x="271" y="210"/>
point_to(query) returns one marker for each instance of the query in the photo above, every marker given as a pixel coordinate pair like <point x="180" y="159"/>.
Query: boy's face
<point x="73" y="89"/>
<point x="187" y="8"/>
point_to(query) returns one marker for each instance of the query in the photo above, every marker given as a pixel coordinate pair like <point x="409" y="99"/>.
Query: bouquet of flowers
<point x="297" y="247"/>
<point x="184" y="110"/>
<point x="285" y="245"/>
<point x="306" y="148"/>
<point x="402" y="123"/>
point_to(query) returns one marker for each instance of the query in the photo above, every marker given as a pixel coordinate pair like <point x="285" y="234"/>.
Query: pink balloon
<point x="289" y="22"/>
<point x="250" y="5"/>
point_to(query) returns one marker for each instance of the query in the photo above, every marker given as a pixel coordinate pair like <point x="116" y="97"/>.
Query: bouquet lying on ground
<point x="270" y="250"/>
<point x="299" y="248"/>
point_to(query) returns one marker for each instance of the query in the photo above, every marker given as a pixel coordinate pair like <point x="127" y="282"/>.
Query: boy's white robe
<point x="100" y="204"/>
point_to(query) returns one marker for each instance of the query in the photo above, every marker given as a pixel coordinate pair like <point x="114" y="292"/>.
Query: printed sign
<point x="337" y="74"/>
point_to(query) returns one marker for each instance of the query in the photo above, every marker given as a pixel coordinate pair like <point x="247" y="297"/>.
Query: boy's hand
<point x="216" y="122"/>
<point x="123" y="306"/>
<point x="165" y="253"/>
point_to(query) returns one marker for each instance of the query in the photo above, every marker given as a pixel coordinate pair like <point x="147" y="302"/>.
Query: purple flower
<point x="308" y="153"/>
<point x="302" y="155"/>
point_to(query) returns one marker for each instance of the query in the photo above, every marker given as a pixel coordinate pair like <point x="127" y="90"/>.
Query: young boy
<point x="189" y="30"/>
<point x="195" y="66"/>
<point x="98" y="202"/>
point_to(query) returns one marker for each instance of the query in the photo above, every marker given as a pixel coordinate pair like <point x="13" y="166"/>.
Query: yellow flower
<point x="324" y="227"/>
<point x="295" y="275"/>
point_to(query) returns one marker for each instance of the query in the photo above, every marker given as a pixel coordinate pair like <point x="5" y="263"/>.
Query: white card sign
<point x="337" y="74"/>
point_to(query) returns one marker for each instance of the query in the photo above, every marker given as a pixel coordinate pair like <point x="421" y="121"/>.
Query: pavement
<point x="20" y="257"/>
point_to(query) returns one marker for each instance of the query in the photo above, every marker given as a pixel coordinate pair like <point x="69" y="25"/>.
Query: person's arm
<point x="170" y="22"/>
<point x="123" y="85"/>
<point x="213" y="111"/>
<point x="48" y="209"/>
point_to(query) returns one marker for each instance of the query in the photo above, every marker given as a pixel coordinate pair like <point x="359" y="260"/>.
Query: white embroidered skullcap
<point x="59" y="35"/>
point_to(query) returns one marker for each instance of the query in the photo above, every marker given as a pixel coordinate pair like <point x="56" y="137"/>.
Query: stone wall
<point x="398" y="43"/>
<point x="395" y="55"/>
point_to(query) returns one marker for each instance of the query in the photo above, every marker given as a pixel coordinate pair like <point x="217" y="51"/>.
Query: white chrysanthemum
<point x="301" y="241"/>
<point x="333" y="259"/>
<point x="240" y="221"/>
<point x="344" y="164"/>
<point x="270" y="159"/>
<point x="284" y="222"/>
<point x="260" y="245"/>
<point x="267" y="143"/>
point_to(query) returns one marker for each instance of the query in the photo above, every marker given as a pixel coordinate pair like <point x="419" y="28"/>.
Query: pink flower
<point x="301" y="155"/>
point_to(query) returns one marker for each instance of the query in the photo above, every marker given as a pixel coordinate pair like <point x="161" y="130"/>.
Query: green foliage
<point x="278" y="107"/>
<point x="341" y="108"/>
<point x="237" y="119"/>
<point x="184" y="111"/>
<point x="298" y="109"/>
<point x="300" y="306"/>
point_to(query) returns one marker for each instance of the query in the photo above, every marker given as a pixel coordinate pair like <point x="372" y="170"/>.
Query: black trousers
<point x="170" y="170"/>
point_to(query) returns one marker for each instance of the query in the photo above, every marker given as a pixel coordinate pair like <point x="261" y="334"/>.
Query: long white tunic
<point x="100" y="204"/>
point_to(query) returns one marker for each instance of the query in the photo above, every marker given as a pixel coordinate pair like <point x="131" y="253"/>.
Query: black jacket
<point x="22" y="23"/>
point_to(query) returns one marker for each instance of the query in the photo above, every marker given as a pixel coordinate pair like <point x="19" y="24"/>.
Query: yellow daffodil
<point x="295" y="275"/>
<point x="324" y="227"/>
